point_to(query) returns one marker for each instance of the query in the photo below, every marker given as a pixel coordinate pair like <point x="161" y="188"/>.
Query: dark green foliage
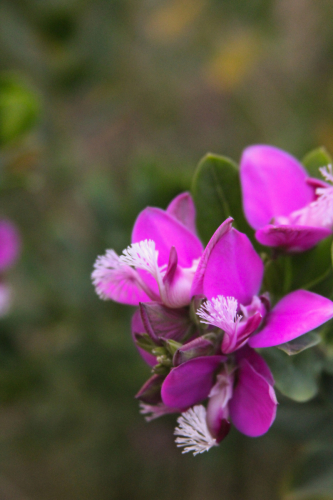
<point x="295" y="376"/>
<point x="217" y="195"/>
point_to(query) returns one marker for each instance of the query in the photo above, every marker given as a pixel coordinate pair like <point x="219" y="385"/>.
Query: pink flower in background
<point x="160" y="263"/>
<point x="287" y="208"/>
<point x="10" y="245"/>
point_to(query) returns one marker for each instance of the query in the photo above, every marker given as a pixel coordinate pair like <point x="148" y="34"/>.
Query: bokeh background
<point x="106" y="106"/>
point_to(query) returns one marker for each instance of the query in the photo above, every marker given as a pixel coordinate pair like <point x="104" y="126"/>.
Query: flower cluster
<point x="202" y="312"/>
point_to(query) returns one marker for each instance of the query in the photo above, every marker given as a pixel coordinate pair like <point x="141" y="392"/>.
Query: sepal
<point x="161" y="321"/>
<point x="201" y="346"/>
<point x="150" y="392"/>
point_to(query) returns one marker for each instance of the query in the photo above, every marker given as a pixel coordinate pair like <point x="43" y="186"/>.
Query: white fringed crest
<point x="142" y="255"/>
<point x="109" y="268"/>
<point x="221" y="312"/>
<point x="193" y="431"/>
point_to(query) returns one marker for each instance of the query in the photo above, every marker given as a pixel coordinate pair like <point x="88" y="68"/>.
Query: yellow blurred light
<point x="233" y="62"/>
<point x="173" y="19"/>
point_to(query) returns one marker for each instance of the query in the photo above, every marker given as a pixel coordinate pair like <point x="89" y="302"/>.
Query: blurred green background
<point x="106" y="106"/>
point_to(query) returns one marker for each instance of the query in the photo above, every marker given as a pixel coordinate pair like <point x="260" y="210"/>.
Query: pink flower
<point x="160" y="263"/>
<point x="287" y="208"/>
<point x="229" y="275"/>
<point x="240" y="390"/>
<point x="238" y="386"/>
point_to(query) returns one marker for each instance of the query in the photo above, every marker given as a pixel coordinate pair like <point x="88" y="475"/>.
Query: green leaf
<point x="19" y="109"/>
<point x="317" y="158"/>
<point x="295" y="376"/>
<point x="217" y="195"/>
<point x="310" y="270"/>
<point x="311" y="267"/>
<point x="301" y="343"/>
<point x="278" y="276"/>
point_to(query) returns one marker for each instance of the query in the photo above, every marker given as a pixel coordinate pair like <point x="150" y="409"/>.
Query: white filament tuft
<point x="142" y="255"/>
<point x="108" y="268"/>
<point x="193" y="431"/>
<point x="327" y="173"/>
<point x="221" y="312"/>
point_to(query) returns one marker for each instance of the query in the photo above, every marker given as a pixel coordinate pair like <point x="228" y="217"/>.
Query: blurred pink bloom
<point x="9" y="244"/>
<point x="287" y="208"/>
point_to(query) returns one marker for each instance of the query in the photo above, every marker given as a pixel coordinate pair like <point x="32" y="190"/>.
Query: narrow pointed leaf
<point x="301" y="343"/>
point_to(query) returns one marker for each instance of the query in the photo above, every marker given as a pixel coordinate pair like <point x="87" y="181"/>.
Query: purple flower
<point x="287" y="208"/>
<point x="160" y="263"/>
<point x="240" y="390"/>
<point x="229" y="275"/>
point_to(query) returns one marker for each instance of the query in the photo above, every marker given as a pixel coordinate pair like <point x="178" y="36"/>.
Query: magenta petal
<point x="138" y="327"/>
<point x="183" y="209"/>
<point x="256" y="361"/>
<point x="9" y="244"/>
<point x="316" y="183"/>
<point x="233" y="269"/>
<point x="273" y="183"/>
<point x="177" y="282"/>
<point x="244" y="330"/>
<point x="197" y="285"/>
<point x="157" y="225"/>
<point x="217" y="416"/>
<point x="122" y="285"/>
<point x="292" y="238"/>
<point x="297" y="313"/>
<point x="190" y="382"/>
<point x="253" y="405"/>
